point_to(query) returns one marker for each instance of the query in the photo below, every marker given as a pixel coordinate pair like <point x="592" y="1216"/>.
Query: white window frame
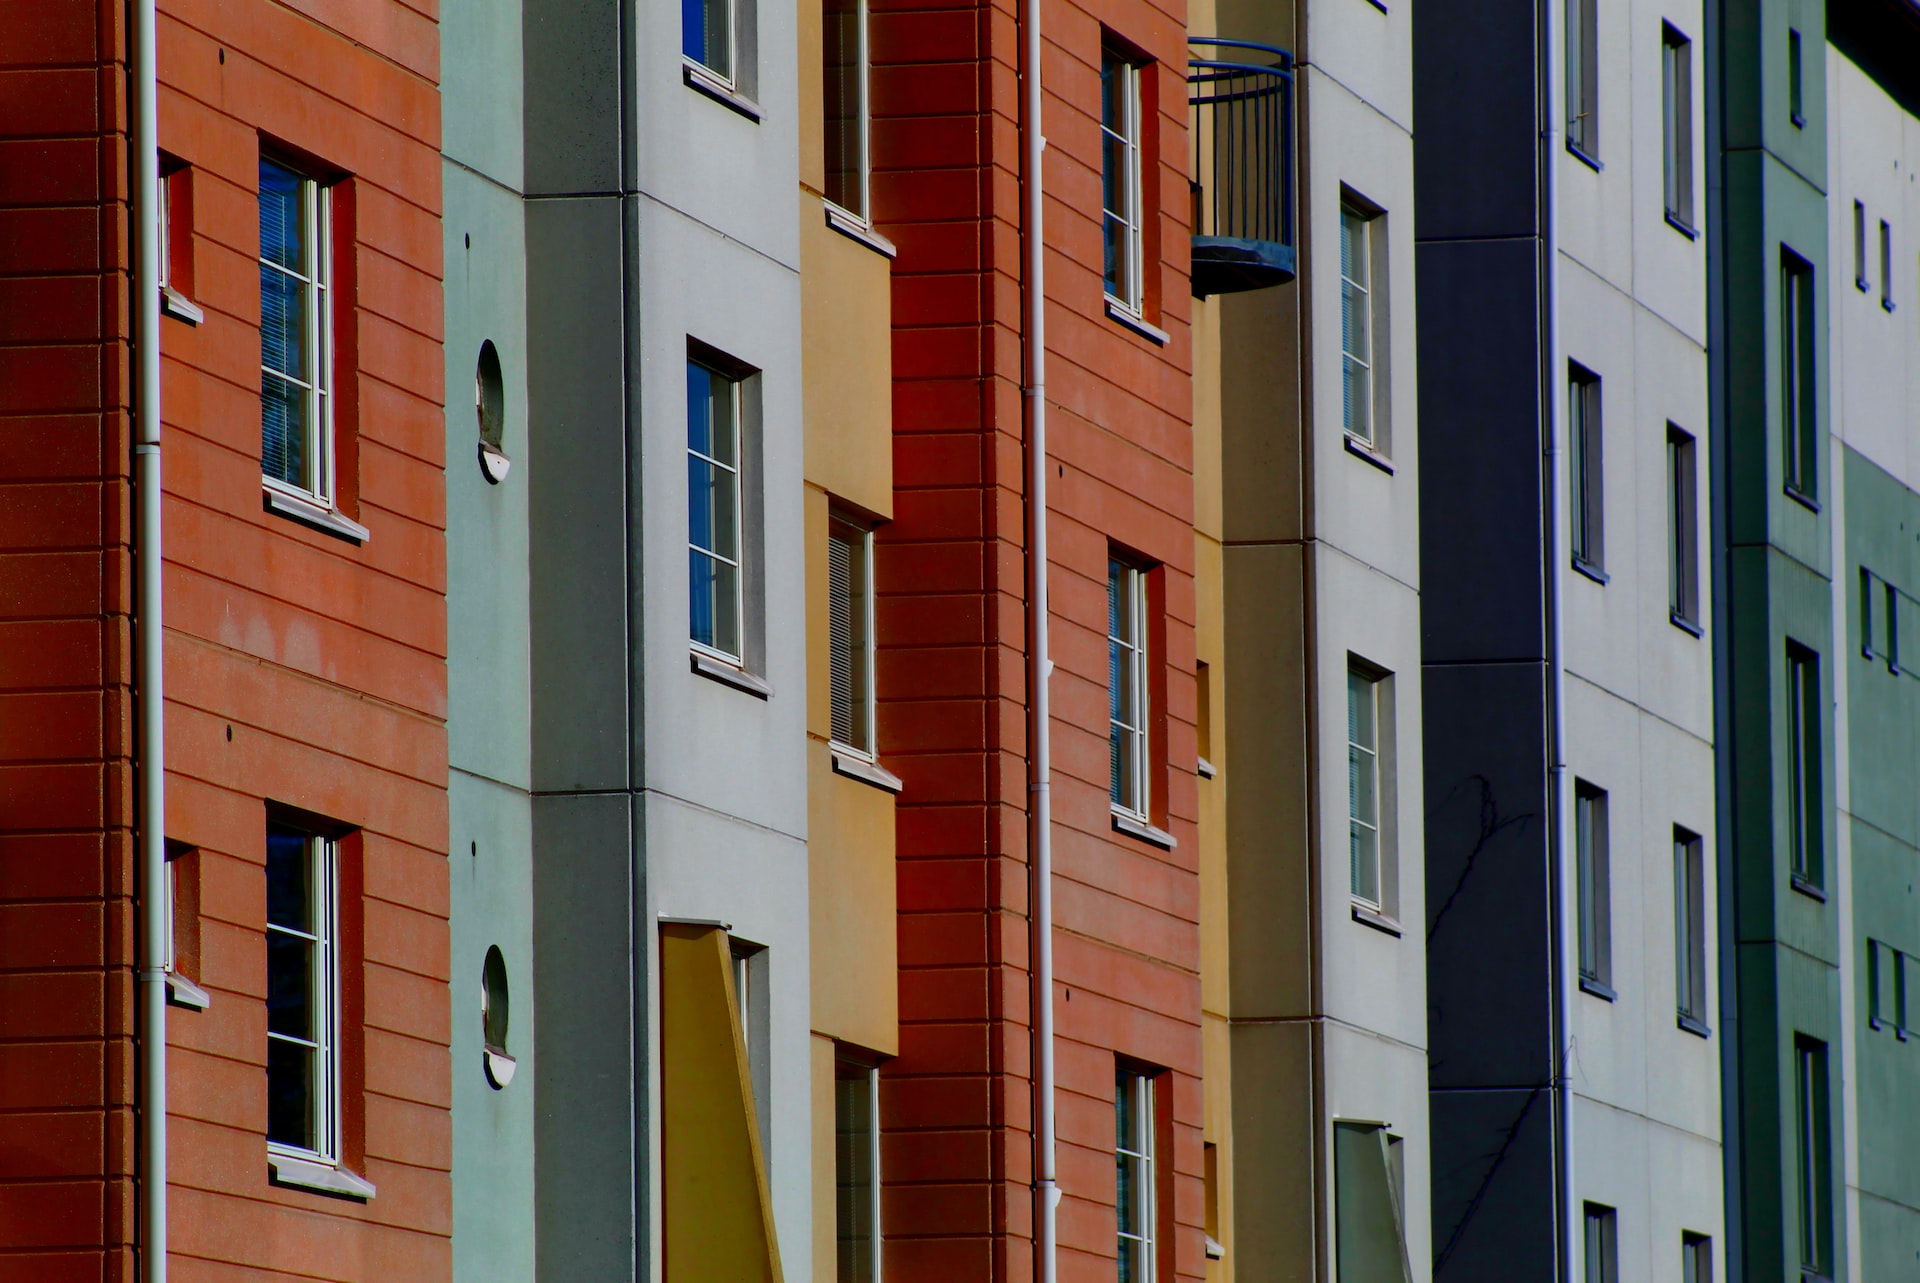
<point x="1676" y="79"/>
<point x="1806" y="783"/>
<point x="735" y="403"/>
<point x="1587" y="483"/>
<point x="1683" y="527"/>
<point x="1131" y="296"/>
<point x="1594" y="889"/>
<point x="728" y="76"/>
<point x="323" y="856"/>
<point x="865" y="746"/>
<point x="1583" y="78"/>
<point x="1130" y="582"/>
<point x="316" y="281"/>
<point x="1358" y="368"/>
<point x="864" y="69"/>
<point x="1134" y="1091"/>
<point x="1886" y="265"/>
<point x="870" y="1075"/>
<point x="1690" y="925"/>
<point x="1363" y="764"/>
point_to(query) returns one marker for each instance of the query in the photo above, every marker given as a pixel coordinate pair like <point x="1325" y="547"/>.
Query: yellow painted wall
<point x="846" y="354"/>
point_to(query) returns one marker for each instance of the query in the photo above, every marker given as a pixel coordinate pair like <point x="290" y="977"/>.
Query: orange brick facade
<point x="957" y="1104"/>
<point x="304" y="671"/>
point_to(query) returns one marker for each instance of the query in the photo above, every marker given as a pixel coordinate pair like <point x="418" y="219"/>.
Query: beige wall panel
<point x="1212" y="827"/>
<point x="847" y="345"/>
<point x="1260" y="415"/>
<point x="809" y="38"/>
<point x="1274" y="1129"/>
<point x="1659" y="1181"/>
<point x="852" y="902"/>
<point x="1206" y="419"/>
<point x="1669" y="267"/>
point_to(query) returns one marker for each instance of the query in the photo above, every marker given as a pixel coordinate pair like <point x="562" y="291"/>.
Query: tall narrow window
<point x="1805" y="827"/>
<point x="856" y="1129"/>
<point x="850" y="634"/>
<point x="1886" y="988"/>
<point x="1799" y="357"/>
<point x="845" y="49"/>
<point x="1369" y="1223"/>
<point x="1813" y="1162"/>
<point x="1583" y="77"/>
<point x="1136" y="1193"/>
<point x="1886" y="265"/>
<point x="1689" y="930"/>
<point x="1120" y="177"/>
<point x="1587" y="495"/>
<point x="303" y="994"/>
<point x="296" y="333"/>
<point x="1860" y="247"/>
<point x="1676" y="61"/>
<point x="1796" y="82"/>
<point x="1360" y="249"/>
<point x="1363" y="785"/>
<point x="1593" y="889"/>
<point x="1602" y="1244"/>
<point x="707" y="35"/>
<point x="1683" y="531"/>
<point x="713" y="511"/>
<point x="1127" y="686"/>
<point x="1696" y="1258"/>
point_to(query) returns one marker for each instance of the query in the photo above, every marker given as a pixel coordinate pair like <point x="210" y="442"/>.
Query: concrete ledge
<point x="324" y="1178"/>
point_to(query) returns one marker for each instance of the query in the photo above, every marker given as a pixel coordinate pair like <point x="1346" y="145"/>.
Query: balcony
<point x="1242" y="99"/>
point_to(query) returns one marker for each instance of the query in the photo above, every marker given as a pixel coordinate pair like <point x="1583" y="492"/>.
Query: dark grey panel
<point x="1489" y="964"/>
<point x="1480" y="460"/>
<point x="1476" y="143"/>
<point x="572" y="95"/>
<point x="1494" y="1201"/>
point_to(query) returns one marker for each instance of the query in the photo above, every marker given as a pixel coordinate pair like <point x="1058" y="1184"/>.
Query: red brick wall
<point x="302" y="670"/>
<point x="957" y="1104"/>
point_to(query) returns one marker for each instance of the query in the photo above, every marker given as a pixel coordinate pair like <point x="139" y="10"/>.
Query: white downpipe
<point x="1046" y="1189"/>
<point x="1566" y="876"/>
<point x="149" y="693"/>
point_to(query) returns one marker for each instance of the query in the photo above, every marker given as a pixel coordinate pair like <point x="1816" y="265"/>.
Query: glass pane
<point x="1120" y="782"/>
<point x="1126" y="1123"/>
<point x="1112" y="92"/>
<point x="1355" y="338"/>
<point x="284" y="430"/>
<point x="289" y="878"/>
<point x="1353" y="247"/>
<point x="713" y="612"/>
<point x="290" y="1094"/>
<point x="290" y="986"/>
<point x="859" y="644"/>
<point x="854" y="1174"/>
<point x="283" y="323"/>
<point x="845" y="91"/>
<point x="1360" y="710"/>
<point x="1115" y="269"/>
<point x="282" y="221"/>
<point x="699" y="408"/>
<point x="1365" y="858"/>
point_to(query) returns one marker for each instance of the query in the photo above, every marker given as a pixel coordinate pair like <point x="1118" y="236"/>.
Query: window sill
<point x="1592" y="571"/>
<point x="1797" y="120"/>
<point x="729" y="674"/>
<point x="1682" y="226"/>
<point x="1685" y="625"/>
<point x="1135" y="827"/>
<point x="1591" y="162"/>
<point x="1862" y="285"/>
<point x="1360" y="449"/>
<point x="182" y="992"/>
<point x="307" y="511"/>
<point x="1806" y="888"/>
<point x="850" y="763"/>
<point x="1370" y="917"/>
<point x="1134" y="321"/>
<point x="1204" y="769"/>
<point x="855" y="228"/>
<point x="1698" y="1028"/>
<point x="1599" y="989"/>
<point x="704" y="80"/>
<point x="1802" y="498"/>
<point x="177" y="305"/>
<point x="1888" y="306"/>
<point x="324" y="1178"/>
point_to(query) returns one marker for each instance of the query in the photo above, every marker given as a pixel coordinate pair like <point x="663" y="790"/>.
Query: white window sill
<point x="728" y="674"/>
<point x="177" y="305"/>
<point x="1135" y="827"/>
<point x="707" y="81"/>
<point x="856" y="228"/>
<point x="309" y="511"/>
<point x="1368" y="916"/>
<point x="1598" y="988"/>
<point x="182" y="992"/>
<point x="850" y="763"/>
<point x="1360" y="449"/>
<point x="1698" y="1028"/>
<point x="1205" y="769"/>
<point x="1134" y="321"/>
<point x="325" y="1178"/>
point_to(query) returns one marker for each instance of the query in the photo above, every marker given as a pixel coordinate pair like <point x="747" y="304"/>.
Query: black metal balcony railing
<point x="1243" y="194"/>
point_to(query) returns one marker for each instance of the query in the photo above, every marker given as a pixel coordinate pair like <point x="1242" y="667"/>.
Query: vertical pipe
<point x="149" y="690"/>
<point x="1039" y="669"/>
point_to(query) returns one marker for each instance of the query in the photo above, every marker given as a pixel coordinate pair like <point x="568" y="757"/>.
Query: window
<point x="1689" y="930"/>
<point x="850" y="634"/>
<point x="1136" y="1190"/>
<point x="1590" y="856"/>
<point x="1603" y="1245"/>
<point x="1799" y="358"/>
<point x="845" y="50"/>
<point x="1587" y="496"/>
<point x="296" y="333"/>
<point x="1363" y="784"/>
<point x="1886" y="265"/>
<point x="707" y="35"/>
<point x="1368" y="1201"/>
<point x="1127" y="687"/>
<point x="1796" y="82"/>
<point x="1696" y="1258"/>
<point x="1813" y="1168"/>
<point x="303" y="994"/>
<point x="1805" y="828"/>
<point x="1887" y="988"/>
<point x="1120" y="177"/>
<point x="713" y="511"/>
<point x="1583" y="77"/>
<point x="856" y="1165"/>
<point x="1860" y="247"/>
<point x="1361" y="251"/>
<point x="1683" y="531"/>
<point x="1676" y="62"/>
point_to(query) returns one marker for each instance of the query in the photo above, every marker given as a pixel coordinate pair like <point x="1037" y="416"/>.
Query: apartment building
<point x="1307" y="523"/>
<point x="1572" y="893"/>
<point x="273" y="353"/>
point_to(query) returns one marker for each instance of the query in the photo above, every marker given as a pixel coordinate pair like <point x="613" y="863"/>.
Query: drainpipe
<point x="148" y="692"/>
<point x="1046" y="1190"/>
<point x="1560" y="800"/>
